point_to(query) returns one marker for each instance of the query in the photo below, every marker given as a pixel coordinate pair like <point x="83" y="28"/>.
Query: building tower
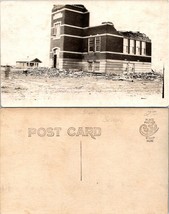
<point x="67" y="28"/>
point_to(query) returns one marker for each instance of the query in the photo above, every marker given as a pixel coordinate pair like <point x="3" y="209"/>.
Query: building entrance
<point x="55" y="61"/>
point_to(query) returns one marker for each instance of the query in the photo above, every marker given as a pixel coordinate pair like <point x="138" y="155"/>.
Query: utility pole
<point x="163" y="82"/>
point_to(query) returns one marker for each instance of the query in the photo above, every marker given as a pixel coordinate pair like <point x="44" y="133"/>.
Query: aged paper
<point x="89" y="161"/>
<point x="84" y="53"/>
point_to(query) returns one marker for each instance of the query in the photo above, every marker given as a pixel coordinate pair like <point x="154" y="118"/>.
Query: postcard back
<point x="89" y="161"/>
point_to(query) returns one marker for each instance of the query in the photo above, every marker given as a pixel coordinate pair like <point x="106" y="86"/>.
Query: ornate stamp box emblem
<point x="148" y="129"/>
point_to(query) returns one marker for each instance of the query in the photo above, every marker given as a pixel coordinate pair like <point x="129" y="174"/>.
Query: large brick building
<point x="76" y="45"/>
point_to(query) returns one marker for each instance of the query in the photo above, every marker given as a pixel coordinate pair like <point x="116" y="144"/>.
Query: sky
<point x="25" y="25"/>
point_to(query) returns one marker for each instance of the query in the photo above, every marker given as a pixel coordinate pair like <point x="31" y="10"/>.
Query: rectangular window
<point x="132" y="46"/>
<point x="91" y="44"/>
<point x="93" y="66"/>
<point x="138" y="47"/>
<point x="138" y="50"/>
<point x="143" y="48"/>
<point x="56" y="29"/>
<point x="90" y="66"/>
<point x="94" y="44"/>
<point x="97" y="43"/>
<point x="133" y="50"/>
<point x="125" y="46"/>
<point x="96" y="66"/>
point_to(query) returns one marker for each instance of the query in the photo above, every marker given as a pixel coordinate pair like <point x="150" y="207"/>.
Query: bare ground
<point x="29" y="91"/>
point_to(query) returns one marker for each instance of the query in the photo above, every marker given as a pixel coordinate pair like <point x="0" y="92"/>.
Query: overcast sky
<point x="25" y="25"/>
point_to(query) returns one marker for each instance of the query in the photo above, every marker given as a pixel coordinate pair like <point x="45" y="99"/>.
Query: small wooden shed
<point x="23" y="64"/>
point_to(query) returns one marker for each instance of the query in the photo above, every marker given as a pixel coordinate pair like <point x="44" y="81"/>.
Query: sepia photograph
<point x="84" y="53"/>
<point x="84" y="160"/>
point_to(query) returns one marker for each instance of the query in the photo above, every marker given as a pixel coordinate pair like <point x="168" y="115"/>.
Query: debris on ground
<point x="45" y="72"/>
<point x="74" y="73"/>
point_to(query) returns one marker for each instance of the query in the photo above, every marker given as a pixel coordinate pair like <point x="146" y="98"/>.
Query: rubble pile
<point x="147" y="76"/>
<point x="133" y="35"/>
<point x="44" y="72"/>
<point x="136" y="76"/>
<point x="54" y="72"/>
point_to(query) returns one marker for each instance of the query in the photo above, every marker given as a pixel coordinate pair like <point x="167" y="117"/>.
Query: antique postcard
<point x="84" y="53"/>
<point x="88" y="161"/>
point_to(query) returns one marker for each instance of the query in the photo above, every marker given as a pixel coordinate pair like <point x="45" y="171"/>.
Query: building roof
<point x="105" y="27"/>
<point x="22" y="61"/>
<point x="78" y="7"/>
<point x="135" y="35"/>
<point x="36" y="60"/>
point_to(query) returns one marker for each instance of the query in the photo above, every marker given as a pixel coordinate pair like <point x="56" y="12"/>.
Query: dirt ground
<point x="29" y="91"/>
